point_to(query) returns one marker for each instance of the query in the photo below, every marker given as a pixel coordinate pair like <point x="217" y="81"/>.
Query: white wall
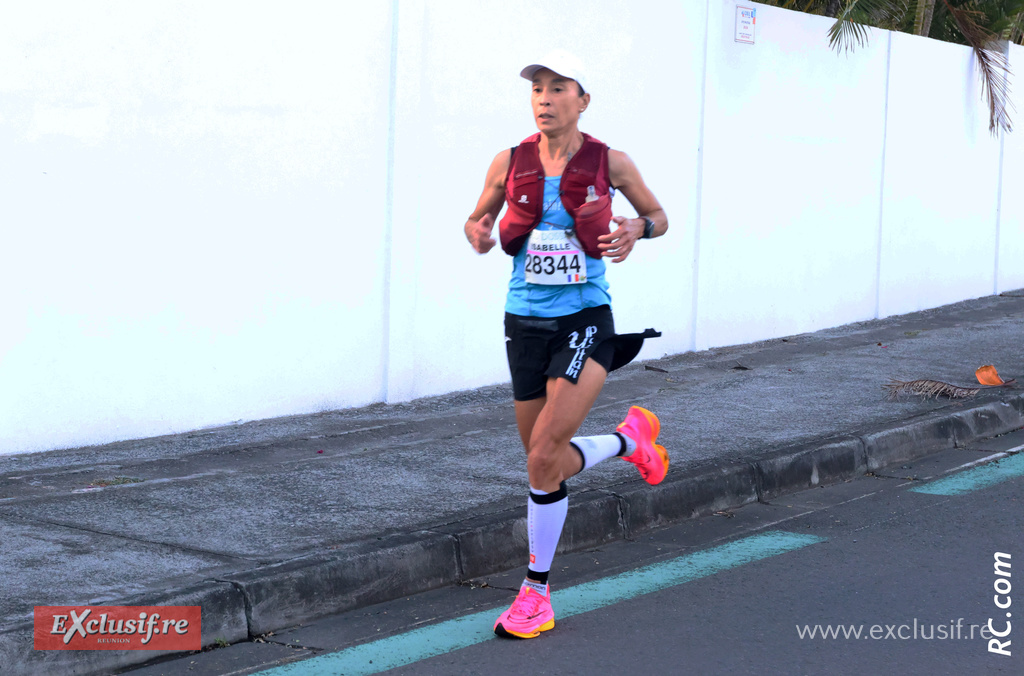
<point x="228" y="212"/>
<point x="1011" y="220"/>
<point x="941" y="180"/>
<point x="791" y="183"/>
<point x="192" y="215"/>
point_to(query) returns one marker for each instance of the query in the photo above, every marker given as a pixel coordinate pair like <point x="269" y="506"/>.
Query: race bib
<point x="552" y="257"/>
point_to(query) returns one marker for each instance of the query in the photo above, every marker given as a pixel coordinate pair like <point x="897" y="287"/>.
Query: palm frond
<point x="851" y="28"/>
<point x="993" y="63"/>
<point x="897" y="389"/>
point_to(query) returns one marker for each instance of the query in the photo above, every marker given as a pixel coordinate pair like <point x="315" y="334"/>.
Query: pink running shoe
<point x="529" y="615"/>
<point x="643" y="427"/>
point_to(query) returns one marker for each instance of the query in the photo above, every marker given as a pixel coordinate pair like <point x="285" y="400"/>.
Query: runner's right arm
<point x="481" y="222"/>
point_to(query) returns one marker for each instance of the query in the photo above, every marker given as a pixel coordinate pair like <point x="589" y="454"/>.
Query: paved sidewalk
<point x="273" y="523"/>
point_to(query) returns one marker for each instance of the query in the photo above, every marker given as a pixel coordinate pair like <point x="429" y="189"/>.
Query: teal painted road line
<point x="978" y="477"/>
<point x="445" y="637"/>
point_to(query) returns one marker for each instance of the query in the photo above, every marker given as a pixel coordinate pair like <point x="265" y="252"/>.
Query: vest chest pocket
<point x="525" y="190"/>
<point x="592" y="220"/>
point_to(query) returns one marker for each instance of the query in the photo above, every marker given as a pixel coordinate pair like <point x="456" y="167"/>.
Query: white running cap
<point x="561" y="62"/>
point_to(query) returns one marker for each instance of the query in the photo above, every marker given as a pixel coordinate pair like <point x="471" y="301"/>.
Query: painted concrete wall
<point x="1011" y="213"/>
<point x="192" y="208"/>
<point x="223" y="213"/>
<point x="792" y="174"/>
<point x="941" y="180"/>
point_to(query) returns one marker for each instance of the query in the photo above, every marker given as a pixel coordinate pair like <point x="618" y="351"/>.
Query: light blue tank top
<point x="542" y="300"/>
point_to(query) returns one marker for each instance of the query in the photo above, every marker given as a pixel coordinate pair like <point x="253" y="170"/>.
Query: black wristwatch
<point x="648" y="228"/>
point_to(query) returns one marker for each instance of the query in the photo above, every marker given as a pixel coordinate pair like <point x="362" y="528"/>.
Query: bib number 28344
<point x="552" y="258"/>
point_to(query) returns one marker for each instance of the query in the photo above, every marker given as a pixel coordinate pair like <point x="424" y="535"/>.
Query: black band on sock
<point x="583" y="458"/>
<point x="560" y="494"/>
<point x="534" y="576"/>
<point x="622" y="443"/>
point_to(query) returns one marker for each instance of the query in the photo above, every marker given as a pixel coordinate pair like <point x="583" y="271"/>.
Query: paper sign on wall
<point x="746" y="17"/>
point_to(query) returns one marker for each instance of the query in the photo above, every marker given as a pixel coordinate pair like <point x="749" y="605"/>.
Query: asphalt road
<point x="913" y="572"/>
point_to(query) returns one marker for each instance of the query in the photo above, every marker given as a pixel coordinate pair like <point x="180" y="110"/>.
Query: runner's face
<point x="557" y="103"/>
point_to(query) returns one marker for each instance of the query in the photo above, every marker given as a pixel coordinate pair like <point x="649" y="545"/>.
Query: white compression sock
<point x="545" y="516"/>
<point x="596" y="449"/>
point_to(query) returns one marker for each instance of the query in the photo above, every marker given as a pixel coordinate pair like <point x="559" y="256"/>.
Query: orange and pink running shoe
<point x="643" y="427"/>
<point x="529" y="615"/>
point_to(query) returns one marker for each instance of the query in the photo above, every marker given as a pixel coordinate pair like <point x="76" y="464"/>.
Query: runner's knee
<point x="544" y="457"/>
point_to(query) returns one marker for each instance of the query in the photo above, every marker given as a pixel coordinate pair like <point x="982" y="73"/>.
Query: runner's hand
<point x="619" y="243"/>
<point x="479" y="234"/>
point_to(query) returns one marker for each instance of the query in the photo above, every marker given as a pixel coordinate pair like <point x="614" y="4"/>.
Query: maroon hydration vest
<point x="524" y="193"/>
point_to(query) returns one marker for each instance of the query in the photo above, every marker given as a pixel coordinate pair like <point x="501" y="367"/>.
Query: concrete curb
<point x="282" y="595"/>
<point x="353" y="576"/>
<point x="939" y="431"/>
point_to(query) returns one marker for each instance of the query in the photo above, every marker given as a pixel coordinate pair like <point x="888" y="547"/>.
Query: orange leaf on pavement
<point x="987" y="375"/>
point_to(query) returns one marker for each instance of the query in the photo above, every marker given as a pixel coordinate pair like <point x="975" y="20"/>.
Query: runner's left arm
<point x="626" y="178"/>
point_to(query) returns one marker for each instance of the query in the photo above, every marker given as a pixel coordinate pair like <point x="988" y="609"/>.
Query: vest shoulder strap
<point x="511" y="162"/>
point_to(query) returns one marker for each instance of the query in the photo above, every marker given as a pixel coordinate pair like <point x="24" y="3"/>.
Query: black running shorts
<point x="540" y="348"/>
